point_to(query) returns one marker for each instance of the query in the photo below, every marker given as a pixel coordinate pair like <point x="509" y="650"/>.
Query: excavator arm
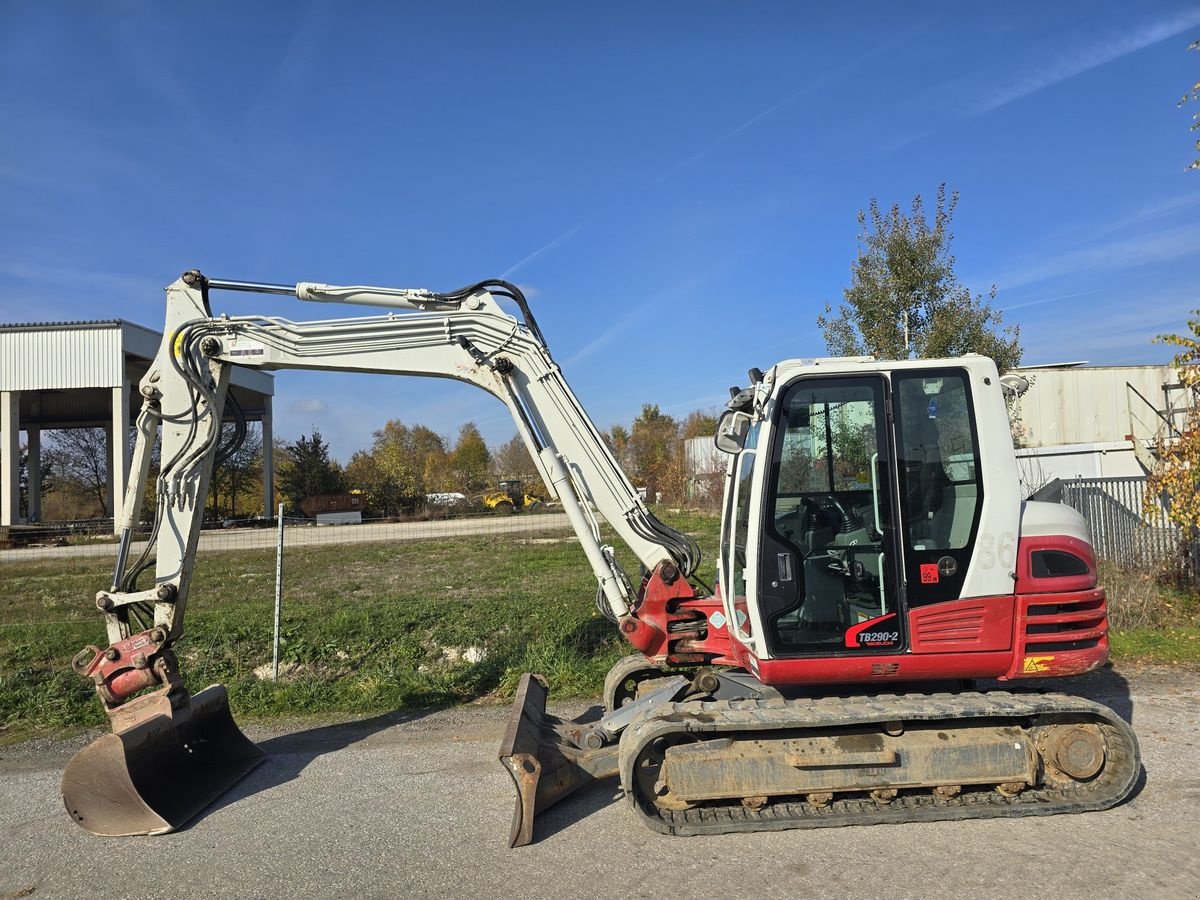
<point x="464" y="335"/>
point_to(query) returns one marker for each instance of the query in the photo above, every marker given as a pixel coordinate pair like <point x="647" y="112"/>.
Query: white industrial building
<point x="1079" y="421"/>
<point x="85" y="375"/>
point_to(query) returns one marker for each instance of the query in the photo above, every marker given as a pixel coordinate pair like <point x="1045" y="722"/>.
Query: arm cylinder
<point x="573" y="507"/>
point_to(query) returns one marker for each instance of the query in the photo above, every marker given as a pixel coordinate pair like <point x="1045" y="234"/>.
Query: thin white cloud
<point x="66" y="275"/>
<point x="1154" y="211"/>
<point x="1161" y="246"/>
<point x="1067" y="63"/>
<point x="1044" y="300"/>
<point x="1119" y="333"/>
<point x="636" y="314"/>
<point x="550" y="245"/>
<point x="311" y="405"/>
<point x="830" y="76"/>
<point x="281" y="91"/>
<point x="668" y="173"/>
<point x="644" y="308"/>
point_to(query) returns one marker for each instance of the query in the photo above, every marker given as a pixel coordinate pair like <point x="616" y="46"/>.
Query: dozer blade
<point x="545" y="764"/>
<point x="161" y="769"/>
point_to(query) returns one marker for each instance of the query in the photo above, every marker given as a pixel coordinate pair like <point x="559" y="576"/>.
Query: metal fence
<point x="95" y="538"/>
<point x="1125" y="533"/>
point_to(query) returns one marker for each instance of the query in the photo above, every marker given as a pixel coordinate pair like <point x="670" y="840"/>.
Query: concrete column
<point x="34" y="443"/>
<point x="268" y="465"/>
<point x="10" y="457"/>
<point x="118" y="451"/>
<point x="108" y="468"/>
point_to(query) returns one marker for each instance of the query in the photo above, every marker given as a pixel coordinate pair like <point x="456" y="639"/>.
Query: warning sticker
<point x="929" y="573"/>
<point x="1037" y="664"/>
<point x="717" y="620"/>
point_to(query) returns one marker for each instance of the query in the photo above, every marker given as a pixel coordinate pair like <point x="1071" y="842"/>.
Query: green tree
<point x="1177" y="475"/>
<point x="904" y="298"/>
<point x="389" y="474"/>
<point x="307" y="471"/>
<point x="469" y="461"/>
<point x="430" y="453"/>
<point x="617" y="439"/>
<point x="1193" y="94"/>
<point x="699" y="424"/>
<point x="654" y="452"/>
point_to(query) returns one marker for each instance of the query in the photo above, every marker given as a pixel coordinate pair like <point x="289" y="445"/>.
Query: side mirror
<point x="732" y="428"/>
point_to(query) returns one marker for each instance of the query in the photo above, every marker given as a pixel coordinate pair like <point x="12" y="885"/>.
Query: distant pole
<point x="278" y="595"/>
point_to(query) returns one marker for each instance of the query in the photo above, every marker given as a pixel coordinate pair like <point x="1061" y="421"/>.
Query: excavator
<point x="876" y="560"/>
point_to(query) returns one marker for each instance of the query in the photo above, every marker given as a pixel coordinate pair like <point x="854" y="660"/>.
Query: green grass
<point x="1175" y="646"/>
<point x="366" y="628"/>
<point x="371" y="627"/>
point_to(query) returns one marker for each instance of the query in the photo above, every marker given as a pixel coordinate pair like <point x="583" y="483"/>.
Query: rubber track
<point x="1114" y="783"/>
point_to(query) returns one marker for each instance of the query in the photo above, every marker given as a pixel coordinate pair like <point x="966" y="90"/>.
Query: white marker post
<point x="278" y="596"/>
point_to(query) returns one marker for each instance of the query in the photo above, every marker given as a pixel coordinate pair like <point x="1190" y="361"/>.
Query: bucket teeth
<point x="158" y="772"/>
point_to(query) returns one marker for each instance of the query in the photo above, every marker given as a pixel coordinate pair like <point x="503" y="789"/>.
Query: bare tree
<point x="512" y="460"/>
<point x="24" y="478"/>
<point x="78" y="457"/>
<point x="236" y="473"/>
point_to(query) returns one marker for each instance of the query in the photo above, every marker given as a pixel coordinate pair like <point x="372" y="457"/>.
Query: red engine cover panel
<point x="964" y="626"/>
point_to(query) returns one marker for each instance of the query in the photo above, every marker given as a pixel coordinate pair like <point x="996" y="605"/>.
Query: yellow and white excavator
<point x="873" y="538"/>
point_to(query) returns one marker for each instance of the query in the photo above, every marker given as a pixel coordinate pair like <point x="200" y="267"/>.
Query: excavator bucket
<point x="545" y="763"/>
<point x="159" y="770"/>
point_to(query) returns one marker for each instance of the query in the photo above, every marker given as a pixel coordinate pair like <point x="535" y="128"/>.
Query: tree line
<point x="405" y="464"/>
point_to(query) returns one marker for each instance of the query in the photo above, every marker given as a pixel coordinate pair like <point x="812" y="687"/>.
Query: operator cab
<point x="852" y="498"/>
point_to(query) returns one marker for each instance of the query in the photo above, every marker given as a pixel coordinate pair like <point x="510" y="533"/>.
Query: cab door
<point x="829" y="563"/>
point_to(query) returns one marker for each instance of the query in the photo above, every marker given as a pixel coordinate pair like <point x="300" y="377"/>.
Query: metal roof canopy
<point x="57" y="375"/>
<point x="66" y="371"/>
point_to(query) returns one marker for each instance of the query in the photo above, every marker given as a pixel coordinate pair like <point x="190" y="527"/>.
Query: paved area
<point x="415" y="805"/>
<point x="306" y="535"/>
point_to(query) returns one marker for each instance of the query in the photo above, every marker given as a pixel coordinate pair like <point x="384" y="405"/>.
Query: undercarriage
<point x="698" y="766"/>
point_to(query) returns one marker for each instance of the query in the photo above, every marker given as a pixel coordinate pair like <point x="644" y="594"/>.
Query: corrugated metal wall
<point x="81" y="357"/>
<point x="702" y="456"/>
<point x="1090" y="405"/>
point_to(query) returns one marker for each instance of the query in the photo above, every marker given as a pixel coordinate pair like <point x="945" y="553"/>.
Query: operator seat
<point x="926" y="480"/>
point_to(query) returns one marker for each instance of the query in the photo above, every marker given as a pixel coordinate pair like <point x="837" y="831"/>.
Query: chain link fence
<point x="1124" y="534"/>
<point x="94" y="537"/>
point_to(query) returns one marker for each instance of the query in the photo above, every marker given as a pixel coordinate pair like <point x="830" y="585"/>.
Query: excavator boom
<point x="170" y="753"/>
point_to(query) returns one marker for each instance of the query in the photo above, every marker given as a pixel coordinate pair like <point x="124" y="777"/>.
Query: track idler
<point x="169" y="757"/>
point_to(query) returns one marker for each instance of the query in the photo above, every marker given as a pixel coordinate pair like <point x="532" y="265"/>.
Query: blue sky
<point x="675" y="185"/>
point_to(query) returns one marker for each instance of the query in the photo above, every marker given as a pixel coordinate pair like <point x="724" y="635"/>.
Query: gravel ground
<point x="414" y="804"/>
